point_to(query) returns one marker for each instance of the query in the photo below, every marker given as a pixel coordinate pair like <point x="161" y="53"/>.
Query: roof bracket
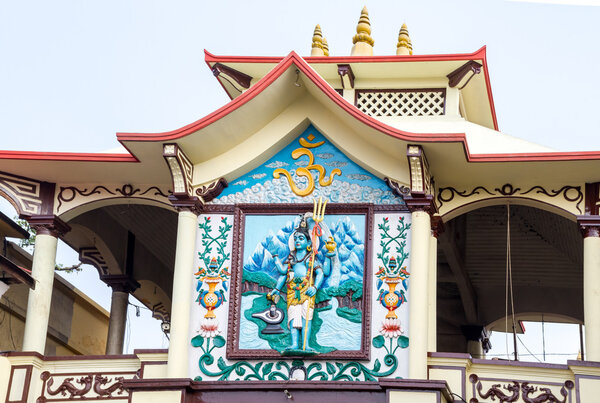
<point x="237" y="76"/>
<point x="457" y="75"/>
<point x="182" y="169"/>
<point x="346" y="76"/>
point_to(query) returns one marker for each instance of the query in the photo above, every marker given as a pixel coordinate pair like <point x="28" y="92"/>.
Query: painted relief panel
<point x="305" y="275"/>
<point x="254" y="317"/>
<point x="300" y="283"/>
<point x="309" y="167"/>
<point x="390" y="288"/>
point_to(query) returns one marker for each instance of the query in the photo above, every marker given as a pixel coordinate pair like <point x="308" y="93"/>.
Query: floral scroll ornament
<point x="306" y="171"/>
<point x="282" y="370"/>
<point x="212" y="272"/>
<point x="392" y="272"/>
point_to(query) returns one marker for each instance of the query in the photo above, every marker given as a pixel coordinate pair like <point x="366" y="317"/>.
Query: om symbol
<point x="305" y="171"/>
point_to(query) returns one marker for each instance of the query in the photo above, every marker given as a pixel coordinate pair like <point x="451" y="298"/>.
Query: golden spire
<point x="325" y="47"/>
<point x="363" y="42"/>
<point x="404" y="46"/>
<point x="317" y="42"/>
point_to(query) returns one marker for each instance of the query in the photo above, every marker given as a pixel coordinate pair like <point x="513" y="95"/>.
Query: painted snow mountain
<point x="347" y="265"/>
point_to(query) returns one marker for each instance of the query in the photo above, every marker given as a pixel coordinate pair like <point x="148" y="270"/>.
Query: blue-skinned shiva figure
<point x="295" y="274"/>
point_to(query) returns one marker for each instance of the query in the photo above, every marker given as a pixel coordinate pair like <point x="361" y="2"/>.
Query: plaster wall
<point x="415" y="397"/>
<point x="373" y="156"/>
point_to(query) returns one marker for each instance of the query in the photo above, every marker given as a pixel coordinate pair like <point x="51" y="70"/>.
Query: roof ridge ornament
<point x="363" y="42"/>
<point x="325" y="47"/>
<point x="404" y="46"/>
<point x="318" y="48"/>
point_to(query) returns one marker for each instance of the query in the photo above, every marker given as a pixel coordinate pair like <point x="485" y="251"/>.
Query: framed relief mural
<point x="300" y="282"/>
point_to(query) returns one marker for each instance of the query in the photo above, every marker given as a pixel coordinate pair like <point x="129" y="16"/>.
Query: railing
<point x="478" y="381"/>
<point x="31" y="377"/>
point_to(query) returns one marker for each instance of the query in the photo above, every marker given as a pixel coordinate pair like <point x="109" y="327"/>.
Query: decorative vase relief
<point x="213" y="255"/>
<point x="392" y="272"/>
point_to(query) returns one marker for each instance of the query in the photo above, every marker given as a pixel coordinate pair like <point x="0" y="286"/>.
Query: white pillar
<point x="432" y="294"/>
<point x="182" y="295"/>
<point x="38" y="303"/>
<point x="418" y="303"/>
<point x="475" y="348"/>
<point x="117" y="322"/>
<point x="591" y="294"/>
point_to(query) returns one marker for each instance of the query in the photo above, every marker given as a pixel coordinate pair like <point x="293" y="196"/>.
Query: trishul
<point x="318" y="216"/>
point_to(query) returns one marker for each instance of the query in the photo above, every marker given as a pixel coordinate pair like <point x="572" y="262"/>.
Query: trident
<point x="318" y="216"/>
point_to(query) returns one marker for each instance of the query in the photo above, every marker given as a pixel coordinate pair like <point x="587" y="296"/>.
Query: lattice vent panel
<point x="402" y="103"/>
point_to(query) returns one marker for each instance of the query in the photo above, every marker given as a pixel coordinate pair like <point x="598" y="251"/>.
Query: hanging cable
<point x="528" y="350"/>
<point x="510" y="281"/>
<point x="506" y="286"/>
<point x="509" y="290"/>
<point x="543" y="340"/>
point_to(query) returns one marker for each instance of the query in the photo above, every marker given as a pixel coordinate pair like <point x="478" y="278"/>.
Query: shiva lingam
<point x="272" y="316"/>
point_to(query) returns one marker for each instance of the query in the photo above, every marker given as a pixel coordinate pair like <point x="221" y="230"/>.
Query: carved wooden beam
<point x="11" y="273"/>
<point x="121" y="282"/>
<point x="455" y="77"/>
<point x="420" y="177"/>
<point x="182" y="169"/>
<point x="457" y="265"/>
<point x="48" y="224"/>
<point x="28" y="196"/>
<point x="212" y="190"/>
<point x="346" y="76"/>
<point x="92" y="256"/>
<point x="421" y="182"/>
<point x="242" y="79"/>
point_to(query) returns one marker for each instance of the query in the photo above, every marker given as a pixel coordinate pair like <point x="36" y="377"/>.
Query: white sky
<point x="74" y="72"/>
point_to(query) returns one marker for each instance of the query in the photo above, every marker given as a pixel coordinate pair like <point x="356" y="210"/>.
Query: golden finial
<point x="404" y="46"/>
<point x="363" y="42"/>
<point x="317" y="42"/>
<point x="325" y="47"/>
<point x="363" y="29"/>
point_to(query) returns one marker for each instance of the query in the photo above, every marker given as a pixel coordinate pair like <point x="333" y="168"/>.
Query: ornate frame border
<point x="241" y="211"/>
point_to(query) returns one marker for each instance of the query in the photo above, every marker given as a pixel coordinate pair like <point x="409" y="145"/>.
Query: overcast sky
<point x="76" y="72"/>
<point x="73" y="73"/>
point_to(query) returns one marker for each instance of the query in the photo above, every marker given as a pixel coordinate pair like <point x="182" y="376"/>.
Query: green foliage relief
<point x="279" y="370"/>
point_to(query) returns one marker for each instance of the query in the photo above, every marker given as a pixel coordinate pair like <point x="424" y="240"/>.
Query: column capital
<point x="437" y="226"/>
<point x="477" y="333"/>
<point x="186" y="203"/>
<point x="421" y="203"/>
<point x="120" y="282"/>
<point x="589" y="225"/>
<point x="47" y="224"/>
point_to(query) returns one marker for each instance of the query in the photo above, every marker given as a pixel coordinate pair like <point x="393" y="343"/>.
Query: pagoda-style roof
<point x="277" y="107"/>
<point x="477" y="95"/>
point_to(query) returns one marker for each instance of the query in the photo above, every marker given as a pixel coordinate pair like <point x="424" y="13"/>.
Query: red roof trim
<point x="63" y="156"/>
<point x="538" y="157"/>
<point x="479" y="54"/>
<point x="267" y="80"/>
<point x="488" y="85"/>
<point x="303" y="66"/>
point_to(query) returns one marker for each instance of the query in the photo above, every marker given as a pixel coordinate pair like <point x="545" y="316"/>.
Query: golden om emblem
<point x="305" y="171"/>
